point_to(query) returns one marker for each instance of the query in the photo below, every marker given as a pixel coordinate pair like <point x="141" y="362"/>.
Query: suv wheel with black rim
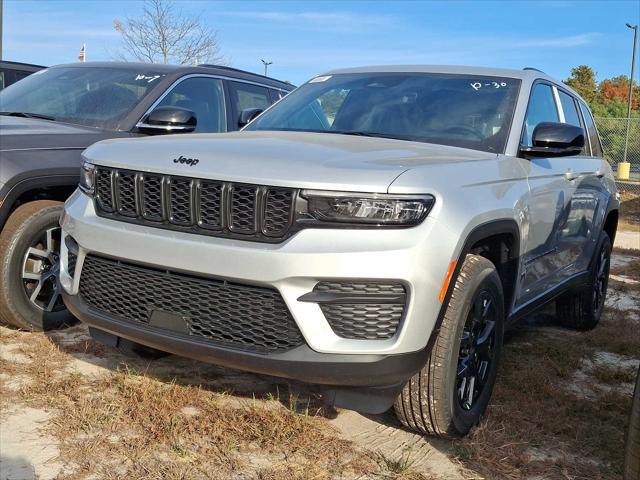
<point x="451" y="392"/>
<point x="581" y="309"/>
<point x="30" y="290"/>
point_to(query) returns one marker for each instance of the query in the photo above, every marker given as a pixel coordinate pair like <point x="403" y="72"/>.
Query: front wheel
<point x="30" y="290"/>
<point x="451" y="392"/>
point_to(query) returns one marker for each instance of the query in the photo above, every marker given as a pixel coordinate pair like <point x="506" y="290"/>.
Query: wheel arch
<point x="498" y="241"/>
<point x="56" y="187"/>
<point x="610" y="225"/>
<point x="487" y="233"/>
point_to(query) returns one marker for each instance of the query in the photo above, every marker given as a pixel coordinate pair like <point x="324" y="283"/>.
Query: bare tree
<point x="164" y="35"/>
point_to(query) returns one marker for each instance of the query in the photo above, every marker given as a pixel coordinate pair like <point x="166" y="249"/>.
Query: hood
<point x="31" y="133"/>
<point x="320" y="161"/>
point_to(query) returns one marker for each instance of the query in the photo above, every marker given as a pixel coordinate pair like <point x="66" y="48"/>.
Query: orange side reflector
<point x="447" y="280"/>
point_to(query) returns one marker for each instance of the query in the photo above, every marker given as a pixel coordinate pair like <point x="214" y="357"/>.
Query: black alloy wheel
<point x="477" y="349"/>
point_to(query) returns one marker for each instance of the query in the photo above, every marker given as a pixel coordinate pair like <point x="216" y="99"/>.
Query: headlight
<point x="87" y="177"/>
<point x="365" y="209"/>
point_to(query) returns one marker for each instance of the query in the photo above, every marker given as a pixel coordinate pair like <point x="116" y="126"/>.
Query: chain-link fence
<point x="612" y="132"/>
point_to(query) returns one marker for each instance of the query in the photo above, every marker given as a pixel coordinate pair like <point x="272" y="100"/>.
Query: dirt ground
<point x="73" y="409"/>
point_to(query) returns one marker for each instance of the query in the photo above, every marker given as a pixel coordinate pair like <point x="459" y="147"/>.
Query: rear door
<point x="246" y="95"/>
<point x="578" y="236"/>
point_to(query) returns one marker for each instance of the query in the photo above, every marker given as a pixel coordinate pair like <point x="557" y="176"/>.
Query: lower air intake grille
<point x="367" y="321"/>
<point x="363" y="310"/>
<point x="72" y="259"/>
<point x="241" y="316"/>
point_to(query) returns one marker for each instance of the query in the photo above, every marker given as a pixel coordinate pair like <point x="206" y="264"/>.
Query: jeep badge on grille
<point x="184" y="160"/>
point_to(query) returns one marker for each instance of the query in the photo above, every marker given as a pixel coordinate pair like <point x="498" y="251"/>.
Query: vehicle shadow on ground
<point x="95" y="360"/>
<point x="382" y="434"/>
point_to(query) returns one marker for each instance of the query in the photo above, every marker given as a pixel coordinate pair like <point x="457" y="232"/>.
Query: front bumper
<point x="301" y="363"/>
<point x="418" y="257"/>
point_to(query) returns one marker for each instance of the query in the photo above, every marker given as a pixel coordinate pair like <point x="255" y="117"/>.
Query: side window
<point x="569" y="108"/>
<point x="20" y="75"/>
<point x="1" y="80"/>
<point x="572" y="117"/>
<point x="276" y="95"/>
<point x="596" y="147"/>
<point x="246" y="95"/>
<point x="204" y="97"/>
<point x="542" y="108"/>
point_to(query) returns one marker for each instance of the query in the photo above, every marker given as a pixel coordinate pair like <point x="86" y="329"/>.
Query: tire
<point x="435" y="400"/>
<point x="581" y="309"/>
<point x="29" y="243"/>
<point x="632" y="449"/>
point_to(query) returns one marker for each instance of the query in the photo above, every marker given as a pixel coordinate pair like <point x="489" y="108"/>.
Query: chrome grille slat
<point x="207" y="207"/>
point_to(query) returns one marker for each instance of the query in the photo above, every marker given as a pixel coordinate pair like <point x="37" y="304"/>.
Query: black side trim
<point x="534" y="304"/>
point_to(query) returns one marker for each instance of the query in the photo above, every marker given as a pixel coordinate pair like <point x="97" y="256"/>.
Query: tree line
<point x="608" y="98"/>
<point x="608" y="101"/>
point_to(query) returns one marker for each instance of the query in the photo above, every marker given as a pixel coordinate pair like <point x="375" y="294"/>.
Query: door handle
<point x="571" y="175"/>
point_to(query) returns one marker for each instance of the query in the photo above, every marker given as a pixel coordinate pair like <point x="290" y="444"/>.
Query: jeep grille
<point x="207" y="207"/>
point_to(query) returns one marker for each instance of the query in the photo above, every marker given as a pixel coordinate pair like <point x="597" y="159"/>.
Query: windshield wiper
<point x="27" y="115"/>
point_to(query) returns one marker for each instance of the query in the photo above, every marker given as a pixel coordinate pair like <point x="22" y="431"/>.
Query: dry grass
<point x="129" y="425"/>
<point x="613" y="376"/>
<point x="629" y="211"/>
<point x="537" y="424"/>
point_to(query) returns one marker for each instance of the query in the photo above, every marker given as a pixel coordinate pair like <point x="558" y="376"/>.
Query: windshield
<point x="461" y="110"/>
<point x="91" y="96"/>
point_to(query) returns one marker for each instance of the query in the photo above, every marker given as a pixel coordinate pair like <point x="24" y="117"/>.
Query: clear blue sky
<point x="305" y="38"/>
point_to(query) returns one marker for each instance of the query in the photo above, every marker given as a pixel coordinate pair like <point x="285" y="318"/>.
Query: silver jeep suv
<point x="373" y="233"/>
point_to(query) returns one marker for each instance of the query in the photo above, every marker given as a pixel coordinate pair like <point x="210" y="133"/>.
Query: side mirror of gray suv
<point x="169" y="120"/>
<point x="247" y="115"/>
<point x="552" y="139"/>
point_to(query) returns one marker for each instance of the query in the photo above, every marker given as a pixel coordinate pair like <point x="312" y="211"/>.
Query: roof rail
<point x="534" y="69"/>
<point x="233" y="69"/>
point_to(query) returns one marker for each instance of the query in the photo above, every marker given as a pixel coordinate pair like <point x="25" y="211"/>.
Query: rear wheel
<point x="30" y="290"/>
<point x="581" y="309"/>
<point x="451" y="392"/>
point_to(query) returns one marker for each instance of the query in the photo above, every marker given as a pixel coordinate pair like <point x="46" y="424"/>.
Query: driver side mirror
<point x="552" y="139"/>
<point x="169" y="120"/>
<point x="247" y="115"/>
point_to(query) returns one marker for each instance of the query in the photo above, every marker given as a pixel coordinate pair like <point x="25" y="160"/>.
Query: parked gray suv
<point x="373" y="233"/>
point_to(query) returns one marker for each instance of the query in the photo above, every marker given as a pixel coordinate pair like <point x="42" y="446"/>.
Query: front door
<point x="552" y="184"/>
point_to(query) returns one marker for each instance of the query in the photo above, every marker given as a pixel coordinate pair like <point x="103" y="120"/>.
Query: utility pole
<point x="264" y="62"/>
<point x="633" y="65"/>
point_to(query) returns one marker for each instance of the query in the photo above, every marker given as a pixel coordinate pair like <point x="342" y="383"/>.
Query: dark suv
<point x="50" y="117"/>
<point x="11" y="72"/>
